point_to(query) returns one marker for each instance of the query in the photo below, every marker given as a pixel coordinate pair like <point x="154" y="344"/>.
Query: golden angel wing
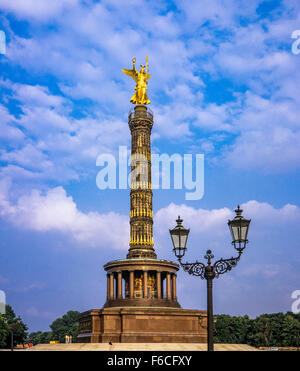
<point x="131" y="73"/>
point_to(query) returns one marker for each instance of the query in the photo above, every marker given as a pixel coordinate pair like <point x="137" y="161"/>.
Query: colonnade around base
<point x="141" y="284"/>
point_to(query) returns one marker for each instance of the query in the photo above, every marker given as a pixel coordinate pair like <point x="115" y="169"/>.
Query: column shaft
<point x="131" y="284"/>
<point x="158" y="284"/>
<point x="108" y="286"/>
<point x="174" y="296"/>
<point x="119" y="285"/>
<point x="145" y="284"/>
<point x="168" y="286"/>
<point x="112" y="288"/>
<point x="141" y="214"/>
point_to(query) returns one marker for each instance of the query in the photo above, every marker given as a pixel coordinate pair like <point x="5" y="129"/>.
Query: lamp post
<point x="239" y="230"/>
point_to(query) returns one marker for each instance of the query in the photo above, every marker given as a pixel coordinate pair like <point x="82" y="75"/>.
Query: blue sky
<point x="224" y="83"/>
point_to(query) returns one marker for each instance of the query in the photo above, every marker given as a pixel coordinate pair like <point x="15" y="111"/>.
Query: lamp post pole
<point x="239" y="230"/>
<point x="209" y="276"/>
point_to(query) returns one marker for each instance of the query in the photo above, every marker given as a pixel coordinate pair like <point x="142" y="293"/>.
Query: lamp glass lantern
<point x="179" y="237"/>
<point x="239" y="227"/>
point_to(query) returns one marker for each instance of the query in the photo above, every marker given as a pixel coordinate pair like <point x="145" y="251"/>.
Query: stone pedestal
<point x="142" y="325"/>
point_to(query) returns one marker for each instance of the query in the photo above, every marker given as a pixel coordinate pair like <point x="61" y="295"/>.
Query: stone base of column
<point x="146" y="325"/>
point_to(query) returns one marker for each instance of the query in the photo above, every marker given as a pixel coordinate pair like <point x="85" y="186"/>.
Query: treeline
<point x="12" y="329"/>
<point x="66" y="325"/>
<point x="269" y="330"/>
<point x="266" y="330"/>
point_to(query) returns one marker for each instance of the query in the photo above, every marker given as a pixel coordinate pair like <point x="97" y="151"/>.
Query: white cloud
<point x="32" y="95"/>
<point x="269" y="135"/>
<point x="209" y="229"/>
<point x="57" y="146"/>
<point x="8" y="130"/>
<point x="27" y="156"/>
<point x="40" y="10"/>
<point x="265" y="213"/>
<point x="264" y="120"/>
<point x="219" y="13"/>
<point x="200" y="220"/>
<point x="214" y="117"/>
<point x="205" y="220"/>
<point x="54" y="211"/>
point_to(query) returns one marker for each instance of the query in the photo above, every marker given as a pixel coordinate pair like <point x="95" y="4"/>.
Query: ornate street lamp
<point x="179" y="237"/>
<point x="239" y="227"/>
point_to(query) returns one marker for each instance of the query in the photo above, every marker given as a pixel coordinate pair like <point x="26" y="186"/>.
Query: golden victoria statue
<point x="141" y="78"/>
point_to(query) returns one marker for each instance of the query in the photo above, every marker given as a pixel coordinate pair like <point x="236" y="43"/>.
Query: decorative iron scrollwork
<point x="224" y="265"/>
<point x="221" y="266"/>
<point x="195" y="269"/>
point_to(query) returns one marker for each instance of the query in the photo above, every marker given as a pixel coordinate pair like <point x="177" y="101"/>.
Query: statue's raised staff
<point x="141" y="78"/>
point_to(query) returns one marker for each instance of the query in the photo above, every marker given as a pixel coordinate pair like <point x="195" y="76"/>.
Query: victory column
<point x="141" y="304"/>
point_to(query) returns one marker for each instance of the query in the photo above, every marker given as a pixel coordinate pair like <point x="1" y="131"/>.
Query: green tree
<point x="66" y="325"/>
<point x="231" y="330"/>
<point x="275" y="329"/>
<point x="40" y="337"/>
<point x="290" y="331"/>
<point x="3" y="332"/>
<point x="9" y="324"/>
<point x="271" y="330"/>
<point x="261" y="332"/>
